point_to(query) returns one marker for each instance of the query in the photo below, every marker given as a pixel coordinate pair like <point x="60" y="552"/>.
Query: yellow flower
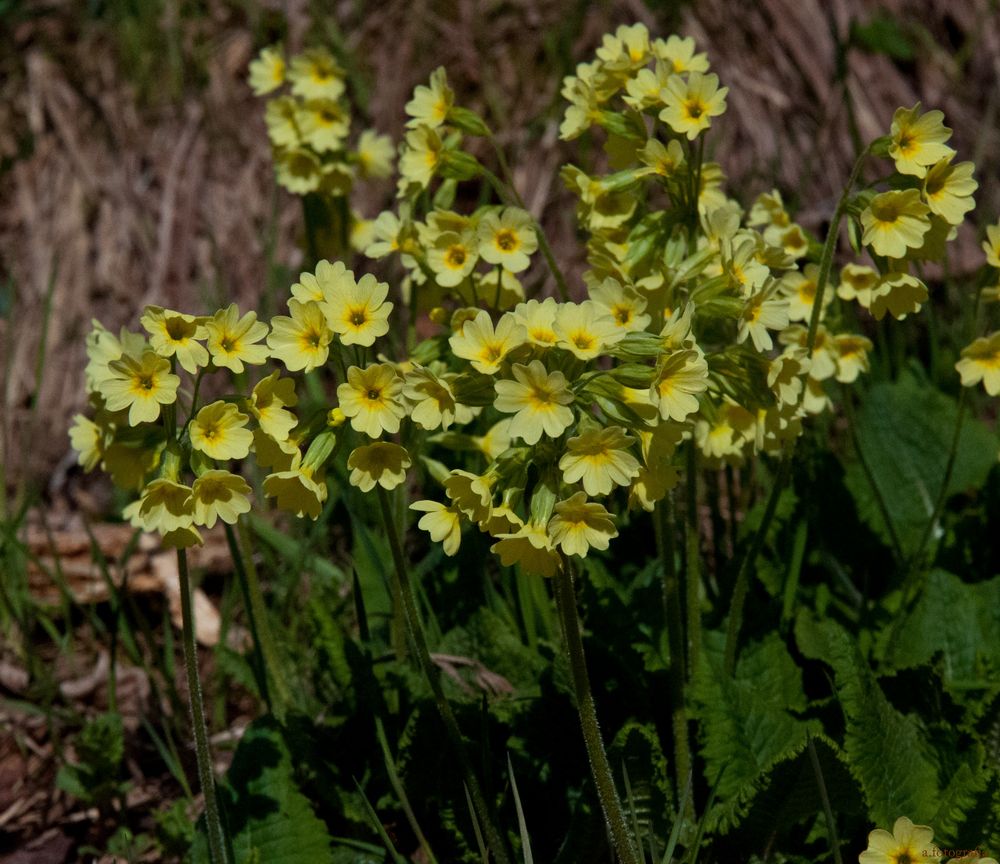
<point x="181" y="537"/>
<point x="991" y="245"/>
<point x="531" y="547"/>
<point x="267" y="71"/>
<point x="852" y="356"/>
<point x="579" y="524"/>
<point x="918" y="140"/>
<point x="421" y="156"/>
<point x="507" y="239"/>
<point x="280" y="118"/>
<point x="898" y="293"/>
<point x="496" y="440"/>
<point x="274" y="454"/>
<point x="165" y="506"/>
<point x="359" y="313"/>
<point x="103" y="347"/>
<point x="856" y="283"/>
<point x="800" y="291"/>
<point x="231" y="339"/>
<point x="485" y="347"/>
<point x="141" y="385"/>
<point x="381" y="462"/>
<point x="908" y="844"/>
<point x="471" y="493"/>
<point x="692" y="103"/>
<point x="895" y="222"/>
<point x="298" y="170"/>
<point x="430" y="104"/>
<point x="175" y="334"/>
<point x="661" y="160"/>
<point x="679" y="55"/>
<point x="585" y="329"/>
<point x="538" y="318"/>
<point x="625" y="306"/>
<point x="268" y="403"/>
<point x="763" y="311"/>
<point x="538" y="399"/>
<point x="600" y="459"/>
<point x="375" y="154"/>
<point x="725" y="436"/>
<point x="444" y="524"/>
<point x="219" y="431"/>
<point x="87" y="438"/>
<point x="452" y="258"/>
<point x="432" y="399"/>
<point x="295" y="491"/>
<point x="316" y="75"/>
<point x="681" y="376"/>
<point x="370" y="398"/>
<point x="323" y="124"/>
<point x="301" y="341"/>
<point x="627" y="48"/>
<point x="327" y="281"/>
<point x="981" y="362"/>
<point x="948" y="190"/>
<point x="645" y="88"/>
<point x="129" y="464"/>
<point x="218" y="494"/>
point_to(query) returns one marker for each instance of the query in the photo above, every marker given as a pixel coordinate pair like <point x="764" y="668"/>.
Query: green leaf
<point x="636" y="749"/>
<point x="957" y="622"/>
<point x="886" y="751"/>
<point x="747" y="722"/>
<point x="905" y="431"/>
<point x="267" y="816"/>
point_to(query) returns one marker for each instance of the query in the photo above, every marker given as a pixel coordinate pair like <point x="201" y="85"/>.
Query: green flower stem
<point x="216" y="837"/>
<point x="664" y="528"/>
<point x="433" y="675"/>
<point x="692" y="585"/>
<point x="785" y="468"/>
<point x="599" y="766"/>
<point x="275" y="689"/>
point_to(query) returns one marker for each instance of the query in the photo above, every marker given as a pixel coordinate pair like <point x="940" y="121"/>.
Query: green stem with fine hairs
<point x="663" y="524"/>
<point x="785" y="468"/>
<point x="599" y="766"/>
<point x="432" y="673"/>
<point x="203" y="756"/>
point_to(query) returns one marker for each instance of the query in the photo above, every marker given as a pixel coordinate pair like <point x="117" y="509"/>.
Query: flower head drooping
<point x="142" y="385"/>
<point x="267" y="71"/>
<point x="682" y="375"/>
<point x="895" y="222"/>
<point x="531" y="547"/>
<point x="442" y="522"/>
<point x="981" y="362"/>
<point x="370" y="398"/>
<point x="431" y="102"/>
<point x="301" y="341"/>
<point x="359" y="312"/>
<point x="269" y="403"/>
<point x="381" y="463"/>
<point x="219" y="431"/>
<point x="907" y="844"/>
<point x="918" y="140"/>
<point x="218" y="494"/>
<point x="600" y="460"/>
<point x="539" y="401"/>
<point x="232" y="339"/>
<point x="579" y="525"/>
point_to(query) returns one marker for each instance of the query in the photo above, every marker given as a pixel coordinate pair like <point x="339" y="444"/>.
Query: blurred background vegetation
<point x="135" y="168"/>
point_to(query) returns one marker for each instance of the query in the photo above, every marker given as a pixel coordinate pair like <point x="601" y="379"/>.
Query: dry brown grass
<point x="121" y="203"/>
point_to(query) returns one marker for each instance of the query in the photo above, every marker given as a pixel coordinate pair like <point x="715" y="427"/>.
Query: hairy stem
<point x="432" y="673"/>
<point x="213" y="824"/>
<point x="788" y="453"/>
<point x="599" y="767"/>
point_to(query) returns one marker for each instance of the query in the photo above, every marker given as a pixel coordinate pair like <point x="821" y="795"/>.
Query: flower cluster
<point x="699" y="325"/>
<point x="980" y="361"/>
<point x="309" y="126"/>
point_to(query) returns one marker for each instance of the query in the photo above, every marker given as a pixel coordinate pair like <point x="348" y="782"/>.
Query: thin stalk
<point x="599" y="767"/>
<point x="216" y="837"/>
<point x="433" y="675"/>
<point x="785" y="468"/>
<point x="664" y="529"/>
<point x="692" y="586"/>
<point x="831" y="822"/>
